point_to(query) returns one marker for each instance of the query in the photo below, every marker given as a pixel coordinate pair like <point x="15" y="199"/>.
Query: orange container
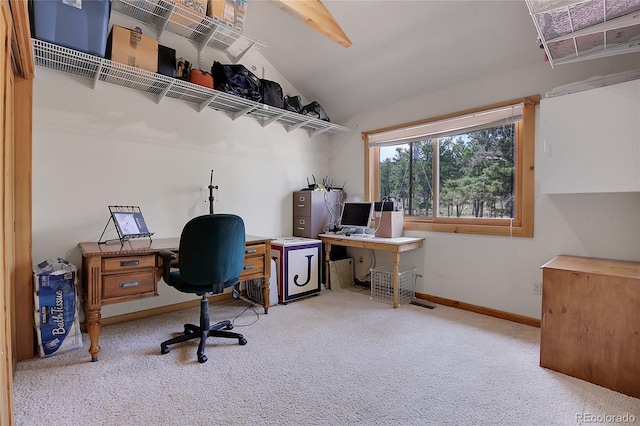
<point x="202" y="78"/>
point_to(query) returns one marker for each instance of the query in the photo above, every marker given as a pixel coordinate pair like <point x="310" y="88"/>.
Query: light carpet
<point x="338" y="358"/>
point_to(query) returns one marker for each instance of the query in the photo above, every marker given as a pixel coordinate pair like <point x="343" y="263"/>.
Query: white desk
<point x="393" y="245"/>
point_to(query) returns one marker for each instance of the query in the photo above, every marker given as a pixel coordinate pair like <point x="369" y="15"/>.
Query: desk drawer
<point x="254" y="250"/>
<point x="135" y="284"/>
<point x="125" y="263"/>
<point x="253" y="267"/>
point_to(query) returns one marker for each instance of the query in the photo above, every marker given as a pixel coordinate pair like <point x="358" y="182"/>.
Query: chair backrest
<point x="212" y="250"/>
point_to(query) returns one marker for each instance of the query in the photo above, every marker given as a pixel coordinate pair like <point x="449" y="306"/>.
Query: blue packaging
<point x="56" y="307"/>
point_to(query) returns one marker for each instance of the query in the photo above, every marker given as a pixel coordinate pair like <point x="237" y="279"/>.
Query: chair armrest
<point x="167" y="256"/>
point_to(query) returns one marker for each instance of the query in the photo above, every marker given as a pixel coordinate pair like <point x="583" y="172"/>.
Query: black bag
<point x="293" y="103"/>
<point x="236" y="80"/>
<point x="271" y="93"/>
<point x="314" y="109"/>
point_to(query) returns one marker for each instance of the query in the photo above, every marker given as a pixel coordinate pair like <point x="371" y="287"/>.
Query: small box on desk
<point x="389" y="224"/>
<point x="79" y="25"/>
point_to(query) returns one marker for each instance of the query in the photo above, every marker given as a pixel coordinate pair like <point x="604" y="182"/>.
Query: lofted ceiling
<point x="403" y="49"/>
<point x="400" y="49"/>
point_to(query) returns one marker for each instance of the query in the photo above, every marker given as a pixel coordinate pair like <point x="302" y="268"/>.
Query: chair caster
<point x="229" y="327"/>
<point x="242" y="341"/>
<point x="202" y="359"/>
<point x="164" y="350"/>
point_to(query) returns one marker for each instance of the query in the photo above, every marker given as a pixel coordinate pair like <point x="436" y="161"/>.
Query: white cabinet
<point x="590" y="141"/>
<point x="298" y="265"/>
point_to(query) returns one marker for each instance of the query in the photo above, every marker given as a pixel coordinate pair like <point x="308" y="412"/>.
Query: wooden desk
<point x="115" y="273"/>
<point x="393" y="245"/>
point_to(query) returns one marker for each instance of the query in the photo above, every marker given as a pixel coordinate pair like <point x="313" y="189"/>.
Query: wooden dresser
<point x="590" y="326"/>
<point x="115" y="273"/>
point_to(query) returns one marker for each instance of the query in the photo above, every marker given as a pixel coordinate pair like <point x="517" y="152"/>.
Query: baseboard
<point x="118" y="319"/>
<point x="534" y="322"/>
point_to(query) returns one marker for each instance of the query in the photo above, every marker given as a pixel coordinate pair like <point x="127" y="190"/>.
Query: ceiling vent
<point x="572" y="31"/>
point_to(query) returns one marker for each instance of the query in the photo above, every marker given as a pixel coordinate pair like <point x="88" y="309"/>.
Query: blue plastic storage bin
<point x="77" y="24"/>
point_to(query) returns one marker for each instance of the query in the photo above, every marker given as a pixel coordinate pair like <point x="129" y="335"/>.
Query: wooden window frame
<point x="522" y="223"/>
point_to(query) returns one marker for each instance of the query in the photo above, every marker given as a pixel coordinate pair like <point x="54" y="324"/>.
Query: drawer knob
<point x="129" y="284"/>
<point x="130" y="262"/>
<point x="250" y="251"/>
<point x="252" y="266"/>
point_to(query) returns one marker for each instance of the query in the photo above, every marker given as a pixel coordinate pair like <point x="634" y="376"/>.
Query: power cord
<point x="372" y="264"/>
<point x="250" y="307"/>
<point x="333" y="215"/>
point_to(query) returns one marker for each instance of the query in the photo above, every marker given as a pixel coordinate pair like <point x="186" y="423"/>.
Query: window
<point x="468" y="172"/>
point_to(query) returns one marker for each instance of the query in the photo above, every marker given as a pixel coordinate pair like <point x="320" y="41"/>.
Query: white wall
<point x="113" y="146"/>
<point x="93" y="148"/>
<point x="499" y="272"/>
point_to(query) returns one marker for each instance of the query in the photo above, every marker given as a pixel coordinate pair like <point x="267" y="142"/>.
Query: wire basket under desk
<point x="382" y="286"/>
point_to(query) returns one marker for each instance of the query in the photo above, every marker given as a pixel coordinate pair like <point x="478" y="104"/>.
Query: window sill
<point x="465" y="228"/>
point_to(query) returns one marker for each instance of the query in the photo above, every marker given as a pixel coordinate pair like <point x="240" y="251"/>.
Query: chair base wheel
<point x="164" y="350"/>
<point x="202" y="359"/>
<point x="242" y="341"/>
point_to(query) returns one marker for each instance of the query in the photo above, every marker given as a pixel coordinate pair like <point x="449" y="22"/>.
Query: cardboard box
<point x="223" y="10"/>
<point x="132" y="48"/>
<point x="190" y="16"/>
<point x="390" y="224"/>
<point x="199" y="6"/>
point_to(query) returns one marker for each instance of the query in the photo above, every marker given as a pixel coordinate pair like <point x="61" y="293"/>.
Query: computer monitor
<point x="357" y="216"/>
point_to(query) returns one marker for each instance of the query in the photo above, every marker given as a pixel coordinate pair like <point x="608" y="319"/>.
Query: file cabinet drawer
<point x="131" y="286"/>
<point x="125" y="263"/>
<point x="302" y="226"/>
<point x="302" y="203"/>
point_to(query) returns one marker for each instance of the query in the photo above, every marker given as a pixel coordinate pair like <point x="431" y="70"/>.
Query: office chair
<point x="211" y="258"/>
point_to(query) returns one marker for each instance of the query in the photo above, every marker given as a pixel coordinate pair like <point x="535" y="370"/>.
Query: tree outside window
<point x="458" y="174"/>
